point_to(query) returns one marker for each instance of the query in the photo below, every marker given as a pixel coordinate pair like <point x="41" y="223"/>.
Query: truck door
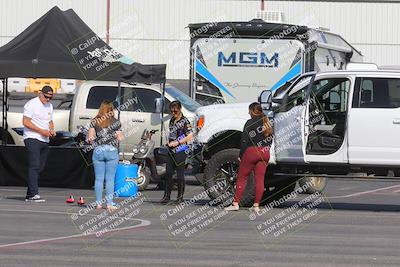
<point x="140" y="115"/>
<point x="327" y="120"/>
<point x="291" y="123"/>
<point x="374" y="123"/>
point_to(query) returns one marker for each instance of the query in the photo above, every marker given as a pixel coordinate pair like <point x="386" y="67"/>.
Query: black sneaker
<point x="164" y="201"/>
<point x="35" y="198"/>
<point x="178" y="201"/>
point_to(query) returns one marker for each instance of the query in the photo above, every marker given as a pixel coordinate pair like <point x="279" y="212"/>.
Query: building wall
<point x="154" y="31"/>
<point x="370" y="27"/>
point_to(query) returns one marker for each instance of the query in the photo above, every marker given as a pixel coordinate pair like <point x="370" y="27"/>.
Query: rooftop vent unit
<point x="361" y="66"/>
<point x="271" y="16"/>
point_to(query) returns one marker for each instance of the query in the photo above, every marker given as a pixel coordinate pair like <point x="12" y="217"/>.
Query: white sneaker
<point x="232" y="208"/>
<point x="35" y="198"/>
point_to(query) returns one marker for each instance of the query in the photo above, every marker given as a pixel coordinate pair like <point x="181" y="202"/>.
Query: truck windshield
<point x="299" y="84"/>
<point x="186" y="101"/>
<point x="290" y="85"/>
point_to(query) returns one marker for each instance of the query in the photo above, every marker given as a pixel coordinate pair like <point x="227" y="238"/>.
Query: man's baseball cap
<point x="47" y="89"/>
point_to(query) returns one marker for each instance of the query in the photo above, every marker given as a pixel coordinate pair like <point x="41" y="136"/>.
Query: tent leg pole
<point x="119" y="99"/>
<point x="119" y="107"/>
<point x="162" y="112"/>
<point x="4" y="114"/>
<point x="6" y="95"/>
<point x="192" y="76"/>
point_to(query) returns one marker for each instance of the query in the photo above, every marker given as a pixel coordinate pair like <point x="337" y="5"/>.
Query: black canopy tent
<point x="53" y="47"/>
<point x="60" y="45"/>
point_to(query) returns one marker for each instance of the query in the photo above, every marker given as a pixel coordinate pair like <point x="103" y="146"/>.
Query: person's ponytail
<point x="256" y="111"/>
<point x="267" y="127"/>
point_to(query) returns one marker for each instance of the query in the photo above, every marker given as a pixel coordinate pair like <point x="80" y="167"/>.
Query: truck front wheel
<point x="220" y="178"/>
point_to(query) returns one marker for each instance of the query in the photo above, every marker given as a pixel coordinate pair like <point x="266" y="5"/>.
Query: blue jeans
<point x="105" y="161"/>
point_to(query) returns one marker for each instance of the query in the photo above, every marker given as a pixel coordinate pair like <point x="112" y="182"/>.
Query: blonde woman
<point x="104" y="135"/>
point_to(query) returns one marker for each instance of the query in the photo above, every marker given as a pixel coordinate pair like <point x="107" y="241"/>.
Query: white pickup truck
<point x="138" y="111"/>
<point x="339" y="123"/>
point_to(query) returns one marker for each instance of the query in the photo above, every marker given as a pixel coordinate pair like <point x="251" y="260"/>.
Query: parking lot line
<point x="142" y="224"/>
<point x="366" y="192"/>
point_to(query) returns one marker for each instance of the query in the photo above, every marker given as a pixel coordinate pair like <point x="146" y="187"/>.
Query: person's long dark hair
<point x="257" y="112"/>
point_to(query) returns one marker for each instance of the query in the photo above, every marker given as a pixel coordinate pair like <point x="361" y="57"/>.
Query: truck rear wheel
<point x="318" y="184"/>
<point x="277" y="192"/>
<point x="220" y="178"/>
<point x="276" y="189"/>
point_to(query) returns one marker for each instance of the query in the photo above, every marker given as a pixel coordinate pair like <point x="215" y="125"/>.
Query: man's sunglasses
<point x="48" y="97"/>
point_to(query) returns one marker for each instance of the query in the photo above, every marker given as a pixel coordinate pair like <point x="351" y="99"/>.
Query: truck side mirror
<point x="158" y="103"/>
<point x="265" y="99"/>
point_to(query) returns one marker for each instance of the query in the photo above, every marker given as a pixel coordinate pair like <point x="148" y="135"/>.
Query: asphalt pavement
<point x="353" y="223"/>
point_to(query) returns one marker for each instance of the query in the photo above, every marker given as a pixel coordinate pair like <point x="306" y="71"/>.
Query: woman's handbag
<point x="161" y="151"/>
<point x="161" y="154"/>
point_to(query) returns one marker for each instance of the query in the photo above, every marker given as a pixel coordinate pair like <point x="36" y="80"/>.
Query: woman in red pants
<point x="254" y="155"/>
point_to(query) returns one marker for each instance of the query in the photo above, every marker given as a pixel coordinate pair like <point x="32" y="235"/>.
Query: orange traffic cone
<point x="81" y="201"/>
<point x="70" y="199"/>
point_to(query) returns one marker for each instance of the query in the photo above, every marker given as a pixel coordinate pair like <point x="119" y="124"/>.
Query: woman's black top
<point x="179" y="129"/>
<point x="106" y="136"/>
<point x="253" y="135"/>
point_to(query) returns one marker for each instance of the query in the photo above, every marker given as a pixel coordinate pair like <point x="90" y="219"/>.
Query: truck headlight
<point x="135" y="149"/>
<point x="200" y="122"/>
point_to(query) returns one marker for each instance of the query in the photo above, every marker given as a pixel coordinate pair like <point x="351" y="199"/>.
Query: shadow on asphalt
<point x="200" y="202"/>
<point x="330" y="206"/>
<point x="349" y="206"/>
<point x="16" y="198"/>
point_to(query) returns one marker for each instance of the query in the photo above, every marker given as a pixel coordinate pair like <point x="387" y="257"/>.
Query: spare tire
<point x="220" y="178"/>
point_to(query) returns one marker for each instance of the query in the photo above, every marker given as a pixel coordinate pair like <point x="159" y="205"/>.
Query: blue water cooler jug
<point x="125" y="180"/>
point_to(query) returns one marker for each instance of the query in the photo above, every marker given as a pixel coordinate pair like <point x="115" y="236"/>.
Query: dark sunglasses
<point x="48" y="97"/>
<point x="174" y="110"/>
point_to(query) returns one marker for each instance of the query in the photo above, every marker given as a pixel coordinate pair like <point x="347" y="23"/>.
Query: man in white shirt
<point x="38" y="128"/>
